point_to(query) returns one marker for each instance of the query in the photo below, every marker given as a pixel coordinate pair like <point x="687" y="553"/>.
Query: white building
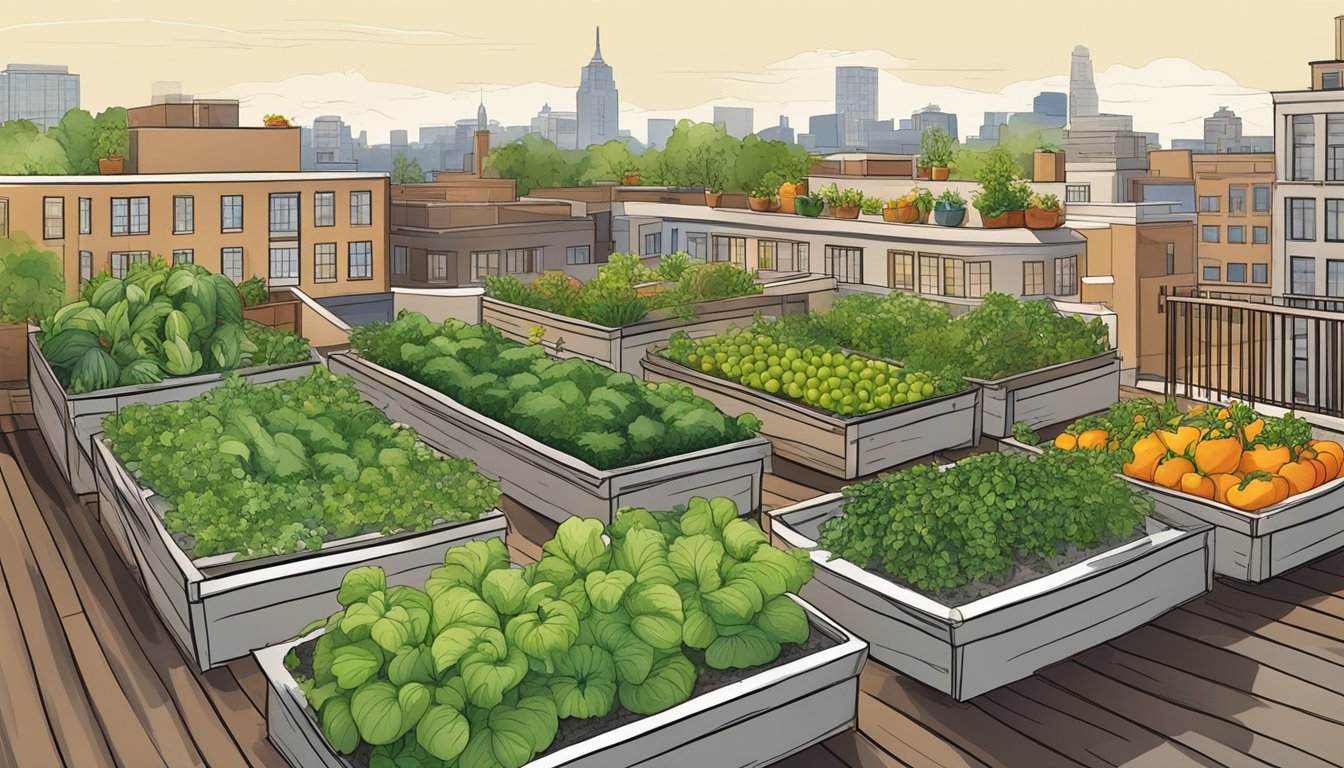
<point x="559" y="128"/>
<point x="41" y="93"/>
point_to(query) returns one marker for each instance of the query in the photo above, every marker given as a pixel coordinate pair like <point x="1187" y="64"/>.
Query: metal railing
<point x="1270" y="350"/>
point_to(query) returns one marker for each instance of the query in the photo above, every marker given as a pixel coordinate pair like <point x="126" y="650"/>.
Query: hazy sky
<point x="669" y="57"/>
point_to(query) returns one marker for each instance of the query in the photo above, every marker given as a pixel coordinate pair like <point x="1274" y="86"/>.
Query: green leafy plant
<point x="254" y="291"/>
<point x="1045" y="202"/>
<point x="935" y="148"/>
<point x="951" y="198"/>
<point x="581" y="408"/>
<point x="1001" y="187"/>
<point x="871" y="206"/>
<point x="1023" y="433"/>
<point x="32" y="283"/>
<point x="766" y="188"/>
<point x="1049" y="147"/>
<point x="838" y="198"/>
<point x="262" y="470"/>
<point x="478" y="669"/>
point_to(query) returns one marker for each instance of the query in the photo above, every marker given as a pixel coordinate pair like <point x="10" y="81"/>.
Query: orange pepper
<point x="1196" y="484"/>
<point x="1322" y="474"/>
<point x="1300" y="476"/>
<point x="1282" y="489"/>
<point x="1092" y="438"/>
<point x="1170" y="471"/>
<point x="1252" y="431"/>
<point x="1141" y="471"/>
<point x="1221" y="484"/>
<point x="1256" y="491"/>
<point x="1334" y="449"/>
<point x="1218" y="456"/>
<point x="1262" y="459"/>
<point x="1178" y="442"/>
<point x="1066" y="442"/>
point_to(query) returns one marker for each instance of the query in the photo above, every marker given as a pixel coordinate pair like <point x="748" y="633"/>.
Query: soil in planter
<point x="573" y="731"/>
<point x="1027" y="568"/>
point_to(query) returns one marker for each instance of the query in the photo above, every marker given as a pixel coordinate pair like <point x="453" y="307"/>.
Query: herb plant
<point x="254" y="291"/>
<point x="871" y="206"/>
<point x="262" y="470"/>
<point x="951" y="199"/>
<point x="477" y="669"/>
<point x="935" y="148"/>
<point x="581" y="408"/>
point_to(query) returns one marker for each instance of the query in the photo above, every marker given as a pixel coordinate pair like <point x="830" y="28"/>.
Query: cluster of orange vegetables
<point x="1226" y="455"/>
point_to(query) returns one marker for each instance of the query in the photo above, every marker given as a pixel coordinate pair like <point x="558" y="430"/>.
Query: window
<point x="1259" y="235"/>
<point x="484" y="263"/>
<point x="139" y="215"/>
<point x="324" y="209"/>
<point x="130" y="215"/>
<point x="1302" y="276"/>
<point x="85" y="216"/>
<point x="1236" y="201"/>
<point x="438" y="266"/>
<point x="399" y="254"/>
<point x="1033" y="278"/>
<point x="1334" y="217"/>
<point x="1330" y="81"/>
<point x="1301" y="218"/>
<point x="1077" y="193"/>
<point x="1260" y="198"/>
<point x="673" y="249"/>
<point x="184" y="214"/>
<point x="324" y="262"/>
<point x="1171" y="258"/>
<point x="766" y="251"/>
<point x="1208" y="203"/>
<point x="1066" y="275"/>
<point x="523" y="261"/>
<point x="1212" y="273"/>
<point x="361" y="260"/>
<point x="1208" y="234"/>
<point x="4" y="217"/>
<point x="284" y="214"/>
<point x="1260" y="273"/>
<point x="844" y="264"/>
<point x="230" y="213"/>
<point x="1334" y="277"/>
<point x="954" y="277"/>
<point x="978" y="279"/>
<point x="1334" y="146"/>
<point x="361" y="209"/>
<point x="1304" y="148"/>
<point x="1236" y="273"/>
<point x="1236" y="235"/>
<point x="184" y="256"/>
<point x="122" y="261"/>
<point x="653" y="244"/>
<point x="53" y="218"/>
<point x="802" y="259"/>
<point x="85" y="266"/>
<point x="285" y="264"/>
<point x="231" y="263"/>
<point x="578" y="254"/>
<point x="731" y="249"/>
<point x="697" y="247"/>
<point x="902" y="267"/>
<point x="928" y="274"/>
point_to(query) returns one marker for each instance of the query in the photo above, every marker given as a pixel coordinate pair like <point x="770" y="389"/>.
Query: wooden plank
<point x="1324" y="648"/>
<point x="244" y="722"/>
<point x="909" y="741"/>
<point x="787" y="488"/>
<point x="40" y="541"/>
<point x="250" y="681"/>
<point x="1324" y="583"/>
<point x="1075" y="738"/>
<point x="774" y="501"/>
<point x="1275" y="610"/>
<point x="815" y="756"/>
<point x="856" y="751"/>
<point x="527" y="530"/>
<point x="1292" y="593"/>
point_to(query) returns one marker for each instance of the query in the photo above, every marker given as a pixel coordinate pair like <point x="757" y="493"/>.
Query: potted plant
<point x="809" y="205"/>
<point x="788" y="193"/>
<point x="1043" y="212"/>
<point x="935" y="153"/>
<point x="911" y="208"/>
<point x="278" y="121"/>
<point x="844" y="204"/>
<point x="1003" y="196"/>
<point x="630" y="176"/>
<point x="764" y="197"/>
<point x="1048" y="164"/>
<point x="949" y="210"/>
<point x="110" y="141"/>
<point x="871" y="206"/>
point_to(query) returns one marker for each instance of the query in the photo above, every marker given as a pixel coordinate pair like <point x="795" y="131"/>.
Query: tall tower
<point x="482" y="122"/>
<point x="1082" y="91"/>
<point x="855" y="101"/>
<point x="598" y="101"/>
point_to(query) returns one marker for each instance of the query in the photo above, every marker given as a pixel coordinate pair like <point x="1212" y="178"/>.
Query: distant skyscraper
<point x="989" y="129"/>
<point x="824" y="133"/>
<point x="1082" y="91"/>
<point x="598" y="101"/>
<point x="42" y="93"/>
<point x="559" y="128"/>
<point x="782" y="132"/>
<point x="855" y="100"/>
<point x="333" y="146"/>
<point x="660" y="130"/>
<point x="1221" y="130"/>
<point x="740" y="122"/>
<point x="482" y="122"/>
<point x="930" y="116"/>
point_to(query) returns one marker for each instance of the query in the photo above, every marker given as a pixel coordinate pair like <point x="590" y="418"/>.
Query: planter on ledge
<point x="948" y="217"/>
<point x="1039" y="219"/>
<point x="846" y="212"/>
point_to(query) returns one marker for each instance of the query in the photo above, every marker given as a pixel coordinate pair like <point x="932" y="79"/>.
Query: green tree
<point x="75" y="135"/>
<point x="32" y="285"/>
<point x="26" y="151"/>
<point x="607" y="161"/>
<point x="1019" y="142"/>
<point x="534" y="162"/>
<point x="406" y="170"/>
<point x="111" y="138"/>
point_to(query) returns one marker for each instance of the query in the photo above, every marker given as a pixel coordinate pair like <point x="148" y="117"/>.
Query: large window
<point x="360" y="254"/>
<point x="1260" y="273"/>
<point x="844" y="264"/>
<point x="1304" y="148"/>
<point x="184" y="214"/>
<point x="1212" y="273"/>
<point x="1334" y="146"/>
<point x="1334" y="277"/>
<point x="954" y="277"/>
<point x="230" y="213"/>
<point x="284" y="214"/>
<point x="522" y="261"/>
<point x="1077" y="193"/>
<point x="1302" y="276"/>
<point x="122" y="261"/>
<point x="1260" y="198"/>
<point x="130" y="215"/>
<point x="53" y="218"/>
<point x="438" y="265"/>
<point x="1066" y="276"/>
<point x="697" y="247"/>
<point x="1236" y="273"/>
<point x="902" y="268"/>
<point x="1259" y="235"/>
<point x="324" y="262"/>
<point x="731" y="249"/>
<point x="85" y="216"/>
<point x="1208" y="233"/>
<point x="928" y="275"/>
<point x="781" y="255"/>
<point x="1171" y="258"/>
<point x="400" y="254"/>
<point x="1033" y="278"/>
<point x="284" y="264"/>
<point x="85" y="266"/>
<point x="1334" y="217"/>
<point x="578" y="254"/>
<point x="1208" y="203"/>
<point x="361" y="209"/>
<point x="1301" y="218"/>
<point x="484" y="263"/>
<point x="979" y="279"/>
<point x="231" y="263"/>
<point x="139" y="215"/>
<point x="1236" y="235"/>
<point x="324" y="209"/>
<point x="1236" y="200"/>
<point x="184" y="256"/>
<point x="653" y="244"/>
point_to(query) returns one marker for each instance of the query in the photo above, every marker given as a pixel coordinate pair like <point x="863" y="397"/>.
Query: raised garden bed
<point x="845" y="447"/>
<point x="1050" y="395"/>
<point x="548" y="481"/>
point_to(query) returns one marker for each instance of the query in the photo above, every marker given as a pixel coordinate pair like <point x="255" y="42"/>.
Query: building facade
<point x="598" y="119"/>
<point x="1083" y="101"/>
<point x="780" y="132"/>
<point x="40" y="93"/>
<point x="739" y="122"/>
<point x="559" y="128"/>
<point x="855" y="102"/>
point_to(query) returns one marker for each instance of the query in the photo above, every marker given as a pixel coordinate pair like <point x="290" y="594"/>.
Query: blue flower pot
<point x="946" y="216"/>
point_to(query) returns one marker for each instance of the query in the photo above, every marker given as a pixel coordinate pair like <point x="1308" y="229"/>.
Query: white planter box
<point x="1050" y="395"/>
<point x="547" y="481"/>
<point x="218" y="610"/>
<point x="70" y="422"/>
<point x="841" y="447"/>
<point x="990" y="642"/>
<point x="754" y="722"/>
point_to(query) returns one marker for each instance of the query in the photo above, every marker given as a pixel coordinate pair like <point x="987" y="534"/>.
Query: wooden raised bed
<point x="281" y="312"/>
<point x="1050" y="395"/>
<point x="841" y="447"/>
<point x="777" y="712"/>
<point x="70" y="422"/>
<point x="974" y="648"/>
<point x="217" y="609"/>
<point x="555" y="484"/>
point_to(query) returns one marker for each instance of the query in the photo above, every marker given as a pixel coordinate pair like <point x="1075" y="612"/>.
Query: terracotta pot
<point x="1038" y="219"/>
<point x="786" y="204"/>
<point x="845" y="212"/>
<point x="902" y="214"/>
<point x="713" y="199"/>
<point x="995" y="222"/>
<point x="925" y="172"/>
<point x="630" y="179"/>
<point x="1017" y="218"/>
<point x="939" y="173"/>
<point x="108" y="166"/>
<point x="277" y="122"/>
<point x="761" y="204"/>
<point x="800" y="188"/>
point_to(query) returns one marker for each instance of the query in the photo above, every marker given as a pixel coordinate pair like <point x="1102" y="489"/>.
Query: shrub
<point x="254" y="291"/>
<point x="32" y="284"/>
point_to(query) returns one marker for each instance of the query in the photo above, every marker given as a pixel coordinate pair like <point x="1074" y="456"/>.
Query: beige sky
<point x="688" y="54"/>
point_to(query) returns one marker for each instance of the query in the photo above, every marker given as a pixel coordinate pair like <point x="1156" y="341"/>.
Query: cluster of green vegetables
<point x="157" y="323"/>
<point x="254" y="291"/>
<point x="262" y="470"/>
<point x="581" y="408"/>
<point x="1001" y="337"/>
<point x="936" y="529"/>
<point x="611" y="299"/>
<point x="476" y="670"/>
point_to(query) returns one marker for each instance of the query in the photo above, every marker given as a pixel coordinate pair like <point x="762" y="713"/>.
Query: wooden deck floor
<point x="1248" y="675"/>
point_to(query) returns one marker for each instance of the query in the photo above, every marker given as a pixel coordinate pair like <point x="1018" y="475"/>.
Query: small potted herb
<point x="1043" y="212"/>
<point x="935" y="153"/>
<point x="871" y="206"/>
<point x="844" y="204"/>
<point x="630" y="176"/>
<point x="278" y="121"/>
<point x="809" y="205"/>
<point x="764" y="197"/>
<point x="949" y="210"/>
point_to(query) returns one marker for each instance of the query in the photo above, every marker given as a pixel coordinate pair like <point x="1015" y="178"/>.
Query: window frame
<point x="1334" y="273"/>
<point x="907" y="260"/>
<point x="490" y="269"/>
<point x="1308" y="209"/>
<point x="289" y="250"/>
<point x="401" y="256"/>
<point x="1066" y="265"/>
<point x="1235" y="193"/>
<point x="271" y="221"/>
<point x="1206" y="229"/>
<point x="1334" y="146"/>
<point x="190" y="201"/>
<point x="319" y="208"/>
<point x="447" y="257"/>
<point x="953" y="277"/>
<point x="1263" y="271"/>
<point x="653" y="244"/>
<point x="572" y="251"/>
<point x="1077" y="193"/>
<point x="85" y="266"/>
<point x="1302" y="147"/>
<point x="853" y="257"/>
<point x="1233" y="229"/>
<point x="85" y="216"/>
<point x="4" y="217"/>
<point x="1256" y="235"/>
<point x="929" y="279"/>
<point x="529" y="257"/>
<point x="1210" y="203"/>
<point x="1216" y="270"/>
<point x="1171" y="258"/>
<point x="361" y="213"/>
<point x="52" y="223"/>
<point x="698" y="241"/>
<point x="1256" y="191"/>
<point x="736" y="249"/>
<point x="1233" y="267"/>
<point x="1293" y="262"/>
<point x="325" y="270"/>
<point x="223" y="213"/>
<point x="1028" y="280"/>
<point x="224" y="254"/>
<point x="190" y="252"/>
<point x="350" y="260"/>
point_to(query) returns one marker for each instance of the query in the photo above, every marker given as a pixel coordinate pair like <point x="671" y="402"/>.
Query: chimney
<point x="1339" y="38"/>
<point x="482" y="147"/>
